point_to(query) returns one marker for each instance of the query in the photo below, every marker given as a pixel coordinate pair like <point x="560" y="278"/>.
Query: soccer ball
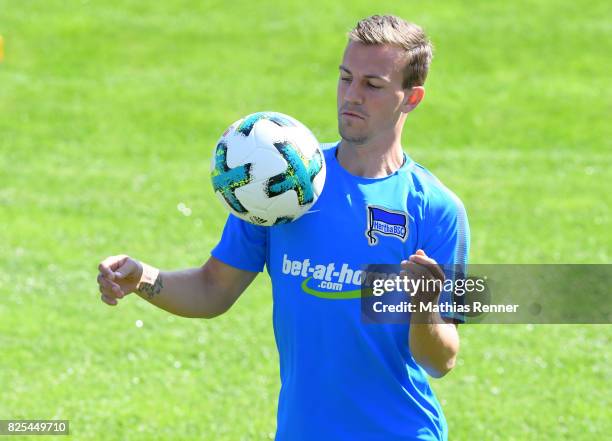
<point x="268" y="169"/>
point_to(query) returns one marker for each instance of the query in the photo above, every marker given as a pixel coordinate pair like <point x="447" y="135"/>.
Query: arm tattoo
<point x="151" y="290"/>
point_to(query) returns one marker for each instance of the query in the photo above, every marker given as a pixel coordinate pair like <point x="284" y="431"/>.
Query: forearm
<point x="186" y="293"/>
<point x="434" y="344"/>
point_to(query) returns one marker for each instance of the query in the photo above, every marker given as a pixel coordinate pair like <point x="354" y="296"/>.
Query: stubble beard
<point x="351" y="139"/>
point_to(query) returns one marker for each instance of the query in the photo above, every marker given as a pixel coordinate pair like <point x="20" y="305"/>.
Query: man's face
<point x="370" y="93"/>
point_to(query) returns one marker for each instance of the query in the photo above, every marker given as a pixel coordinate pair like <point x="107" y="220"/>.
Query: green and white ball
<point x="268" y="169"/>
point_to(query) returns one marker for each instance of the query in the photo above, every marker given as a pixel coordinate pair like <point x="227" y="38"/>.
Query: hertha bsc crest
<point x="386" y="222"/>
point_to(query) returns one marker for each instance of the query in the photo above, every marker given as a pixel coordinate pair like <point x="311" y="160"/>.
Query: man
<point x="342" y="379"/>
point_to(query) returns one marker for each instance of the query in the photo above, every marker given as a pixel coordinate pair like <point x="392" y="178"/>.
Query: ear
<point x="412" y="98"/>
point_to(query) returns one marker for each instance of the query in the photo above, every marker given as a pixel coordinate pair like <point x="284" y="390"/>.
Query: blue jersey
<point x="343" y="379"/>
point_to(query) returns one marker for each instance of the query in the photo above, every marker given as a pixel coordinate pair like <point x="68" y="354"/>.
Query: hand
<point x="420" y="266"/>
<point x="118" y="277"/>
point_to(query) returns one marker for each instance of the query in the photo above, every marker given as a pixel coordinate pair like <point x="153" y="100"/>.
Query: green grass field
<point x="108" y="115"/>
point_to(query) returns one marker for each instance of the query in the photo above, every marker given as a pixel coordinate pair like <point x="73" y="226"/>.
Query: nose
<point x="353" y="94"/>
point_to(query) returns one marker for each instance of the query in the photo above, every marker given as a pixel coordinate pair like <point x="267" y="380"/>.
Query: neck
<point x="374" y="159"/>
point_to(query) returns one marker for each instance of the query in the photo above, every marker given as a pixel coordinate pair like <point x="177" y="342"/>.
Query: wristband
<point x="148" y="277"/>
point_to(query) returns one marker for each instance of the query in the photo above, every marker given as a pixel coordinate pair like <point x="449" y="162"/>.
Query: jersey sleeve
<point x="242" y="245"/>
<point x="447" y="241"/>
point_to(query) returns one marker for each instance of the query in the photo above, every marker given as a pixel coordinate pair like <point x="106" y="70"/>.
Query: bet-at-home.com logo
<point x="325" y="281"/>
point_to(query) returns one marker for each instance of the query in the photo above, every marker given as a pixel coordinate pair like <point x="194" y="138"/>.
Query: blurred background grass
<point x="108" y="115"/>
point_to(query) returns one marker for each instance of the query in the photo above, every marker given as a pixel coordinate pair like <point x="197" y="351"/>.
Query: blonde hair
<point x="389" y="29"/>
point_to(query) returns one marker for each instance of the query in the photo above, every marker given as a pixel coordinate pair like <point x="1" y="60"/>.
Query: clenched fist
<point x="118" y="277"/>
<point x="421" y="266"/>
